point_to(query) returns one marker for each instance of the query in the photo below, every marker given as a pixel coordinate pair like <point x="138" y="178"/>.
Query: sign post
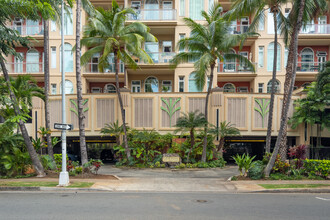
<point x="64" y="175"/>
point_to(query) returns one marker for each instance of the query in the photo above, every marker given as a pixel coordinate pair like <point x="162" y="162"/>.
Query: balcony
<point x="25" y="67"/>
<point x="239" y="29"/>
<point x="28" y="30"/>
<point x="310" y="66"/>
<point x="154" y="15"/>
<point x="234" y="67"/>
<point x="93" y="68"/>
<point x="160" y="57"/>
<point x="316" y="29"/>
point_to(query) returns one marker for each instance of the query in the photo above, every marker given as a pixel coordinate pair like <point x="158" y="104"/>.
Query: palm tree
<point x="207" y="44"/>
<point x="258" y="9"/>
<point x="303" y="11"/>
<point x="81" y="116"/>
<point x="113" y="129"/>
<point x="107" y="34"/>
<point x="189" y="122"/>
<point x="224" y="130"/>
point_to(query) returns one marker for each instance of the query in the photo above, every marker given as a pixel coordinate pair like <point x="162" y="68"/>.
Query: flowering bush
<point x="299" y="153"/>
<point x="93" y="165"/>
<point x="280" y="166"/>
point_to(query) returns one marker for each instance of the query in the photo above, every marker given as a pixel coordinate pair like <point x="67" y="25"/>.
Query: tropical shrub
<point x="256" y="172"/>
<point x="280" y="166"/>
<point x="299" y="153"/>
<point x="93" y="165"/>
<point x="317" y="167"/>
<point x="244" y="161"/>
<point x="47" y="162"/>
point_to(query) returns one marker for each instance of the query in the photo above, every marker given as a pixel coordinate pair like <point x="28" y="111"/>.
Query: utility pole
<point x="64" y="175"/>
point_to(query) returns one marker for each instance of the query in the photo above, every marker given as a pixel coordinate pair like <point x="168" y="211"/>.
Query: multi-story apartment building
<point x="150" y="86"/>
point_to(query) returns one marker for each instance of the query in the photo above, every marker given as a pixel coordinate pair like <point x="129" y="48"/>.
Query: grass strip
<point x="292" y="186"/>
<point x="46" y="184"/>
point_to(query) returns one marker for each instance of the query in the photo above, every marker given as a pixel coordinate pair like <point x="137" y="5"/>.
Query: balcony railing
<point x="25" y="67"/>
<point x="93" y="68"/>
<point x="234" y="67"/>
<point x="161" y="57"/>
<point x="316" y="29"/>
<point x="239" y="29"/>
<point x="154" y="15"/>
<point x="310" y="66"/>
<point x="29" y="29"/>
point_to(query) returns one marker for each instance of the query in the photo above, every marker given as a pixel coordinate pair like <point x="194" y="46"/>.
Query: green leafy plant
<point x="170" y="110"/>
<point x="280" y="166"/>
<point x="263" y="109"/>
<point x="47" y="162"/>
<point x="244" y="162"/>
<point x="239" y="160"/>
<point x="256" y="172"/>
<point x="93" y="165"/>
<point x="317" y="167"/>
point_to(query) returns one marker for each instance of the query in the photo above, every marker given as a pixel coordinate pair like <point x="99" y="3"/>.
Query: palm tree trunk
<point x="81" y="115"/>
<point x="272" y="96"/>
<point x="206" y="112"/>
<point x="128" y="152"/>
<point x="293" y="50"/>
<point x="220" y="146"/>
<point x="32" y="152"/>
<point x="192" y="143"/>
<point x="46" y="72"/>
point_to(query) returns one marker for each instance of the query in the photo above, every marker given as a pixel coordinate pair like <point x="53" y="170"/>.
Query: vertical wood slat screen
<point x="166" y="117"/>
<point x="105" y="112"/>
<point x="216" y="100"/>
<point x="143" y="112"/>
<point x="237" y="112"/>
<point x="74" y="117"/>
<point x="258" y="123"/>
<point x="55" y="112"/>
<point x="197" y="104"/>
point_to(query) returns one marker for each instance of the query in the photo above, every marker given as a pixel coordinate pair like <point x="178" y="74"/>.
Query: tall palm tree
<point x="113" y="129"/>
<point x="107" y="34"/>
<point x="303" y="11"/>
<point x="81" y="116"/>
<point x="207" y="44"/>
<point x="224" y="130"/>
<point x="257" y="8"/>
<point x="189" y="122"/>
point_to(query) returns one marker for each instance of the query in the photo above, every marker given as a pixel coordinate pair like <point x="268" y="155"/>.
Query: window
<point x="53" y="57"/>
<point x="109" y="88"/>
<point x="261" y="26"/>
<point x="167" y="10"/>
<point x="244" y="24"/>
<point x="307" y="59"/>
<point x="305" y="85"/>
<point x="260" y="87"/>
<point x="52" y="25"/>
<point x="211" y="3"/>
<point x="230" y="64"/>
<point x="167" y="46"/>
<point x="151" y="85"/>
<point x="277" y="86"/>
<point x="136" y="86"/>
<point x="137" y="8"/>
<point x="321" y="59"/>
<point x="32" y="61"/>
<point x="152" y="48"/>
<point x="270" y="23"/>
<point x="286" y="54"/>
<point x="182" y="8"/>
<point x="242" y="89"/>
<point x="68" y="57"/>
<point x="53" y="89"/>
<point x="167" y="86"/>
<point x="195" y="8"/>
<point x="18" y="68"/>
<point x="95" y="63"/>
<point x="152" y="12"/>
<point x="182" y="36"/>
<point x="261" y="56"/>
<point x="270" y="57"/>
<point x="32" y="27"/>
<point x="192" y="83"/>
<point x="181" y="83"/>
<point x="68" y="22"/>
<point x="229" y="87"/>
<point x="96" y="90"/>
<point x="68" y="87"/>
<point x="18" y="25"/>
<point x="323" y="25"/>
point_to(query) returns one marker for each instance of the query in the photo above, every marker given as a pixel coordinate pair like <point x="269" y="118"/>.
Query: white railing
<point x="309" y="66"/>
<point x="25" y="67"/>
<point x="316" y="29"/>
<point x="161" y="57"/>
<point x="234" y="67"/>
<point x="238" y="29"/>
<point x="28" y="29"/>
<point x="93" y="68"/>
<point x="154" y="15"/>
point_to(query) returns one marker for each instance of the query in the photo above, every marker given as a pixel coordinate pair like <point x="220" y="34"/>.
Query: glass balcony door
<point x="32" y="27"/>
<point x="322" y="24"/>
<point x="167" y="10"/>
<point x="152" y="10"/>
<point x="152" y="48"/>
<point x="18" y="65"/>
<point x="32" y="62"/>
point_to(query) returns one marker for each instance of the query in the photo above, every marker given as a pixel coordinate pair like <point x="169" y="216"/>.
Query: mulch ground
<point x="55" y="175"/>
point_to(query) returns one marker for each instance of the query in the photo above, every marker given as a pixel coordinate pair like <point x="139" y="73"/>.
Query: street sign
<point x="59" y="126"/>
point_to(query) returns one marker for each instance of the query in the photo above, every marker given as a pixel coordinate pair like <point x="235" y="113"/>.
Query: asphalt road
<point x="123" y="206"/>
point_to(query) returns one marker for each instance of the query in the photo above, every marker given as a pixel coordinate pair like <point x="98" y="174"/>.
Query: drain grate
<point x="201" y="201"/>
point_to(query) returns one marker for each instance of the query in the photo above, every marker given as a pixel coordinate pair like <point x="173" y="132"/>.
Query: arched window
<point x="109" y="88"/>
<point x="68" y="87"/>
<point x="151" y="84"/>
<point x="270" y="57"/>
<point x="307" y="59"/>
<point x="68" y="22"/>
<point x="68" y="58"/>
<point x="32" y="61"/>
<point x="229" y="87"/>
<point x="277" y="86"/>
<point x="192" y="83"/>
<point x="230" y="64"/>
<point x="305" y="85"/>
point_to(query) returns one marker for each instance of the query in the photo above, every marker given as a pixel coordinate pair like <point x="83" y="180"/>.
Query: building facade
<point x="153" y="85"/>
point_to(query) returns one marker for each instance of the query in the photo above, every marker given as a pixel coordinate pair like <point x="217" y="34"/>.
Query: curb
<point x="317" y="190"/>
<point x="19" y="188"/>
<point x="31" y="189"/>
